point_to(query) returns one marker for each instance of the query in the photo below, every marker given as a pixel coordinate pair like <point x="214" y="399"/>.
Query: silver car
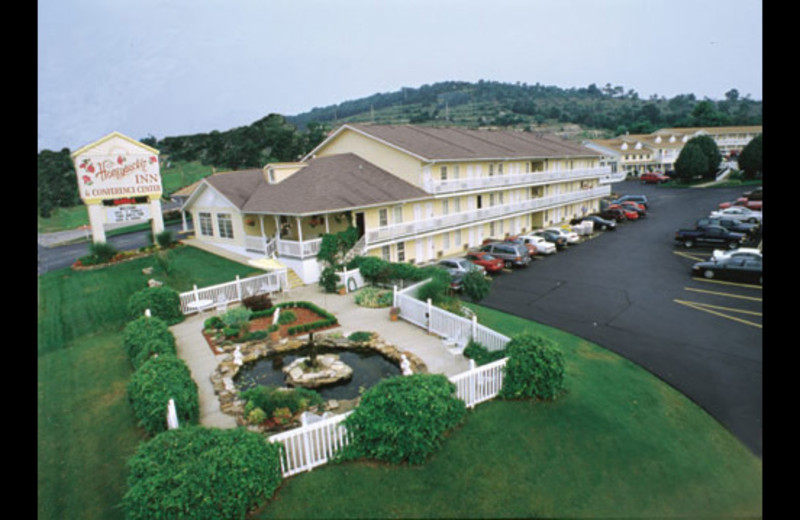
<point x="458" y="267"/>
<point x="511" y="254"/>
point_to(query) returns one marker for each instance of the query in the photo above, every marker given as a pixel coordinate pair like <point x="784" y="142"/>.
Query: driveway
<point x="631" y="292"/>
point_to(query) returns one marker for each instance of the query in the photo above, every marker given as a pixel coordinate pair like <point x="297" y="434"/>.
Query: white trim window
<point x="401" y="251"/>
<point x="383" y="217"/>
<point x="206" y="226"/>
<point x="386" y="253"/>
<point x="225" y="225"/>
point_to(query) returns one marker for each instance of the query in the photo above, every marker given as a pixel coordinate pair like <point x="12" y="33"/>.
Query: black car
<point x="735" y="269"/>
<point x="728" y="223"/>
<point x="599" y="223"/>
<point x="639" y="199"/>
<point x="555" y="238"/>
<point x="617" y="215"/>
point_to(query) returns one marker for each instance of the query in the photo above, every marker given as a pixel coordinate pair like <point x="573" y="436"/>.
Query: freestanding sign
<point x="123" y="173"/>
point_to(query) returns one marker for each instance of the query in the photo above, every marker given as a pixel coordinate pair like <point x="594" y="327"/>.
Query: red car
<point x="755" y="205"/>
<point x="630" y="214"/>
<point x="653" y="178"/>
<point x="492" y="264"/>
<point x="638" y="208"/>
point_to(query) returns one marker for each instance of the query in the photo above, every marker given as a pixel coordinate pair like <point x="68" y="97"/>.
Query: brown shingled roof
<point x="332" y="183"/>
<point x="451" y="143"/>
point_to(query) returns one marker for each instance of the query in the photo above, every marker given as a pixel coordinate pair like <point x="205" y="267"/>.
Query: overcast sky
<point x="177" y="67"/>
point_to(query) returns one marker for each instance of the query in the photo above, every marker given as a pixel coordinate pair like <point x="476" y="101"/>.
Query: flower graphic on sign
<point x="87" y="180"/>
<point x="87" y="165"/>
<point x="120" y="160"/>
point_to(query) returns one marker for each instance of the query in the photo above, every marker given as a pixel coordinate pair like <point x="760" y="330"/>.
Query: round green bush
<point x="201" y="473"/>
<point x="287" y="317"/>
<point x="144" y="337"/>
<point x="237" y="316"/>
<point x="163" y="302"/>
<point x="156" y="382"/>
<point x="403" y="419"/>
<point x="535" y="368"/>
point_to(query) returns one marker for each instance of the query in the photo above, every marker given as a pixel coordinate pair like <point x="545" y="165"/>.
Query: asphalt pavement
<point x="630" y="291"/>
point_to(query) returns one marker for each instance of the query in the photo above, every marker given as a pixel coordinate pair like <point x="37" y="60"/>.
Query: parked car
<point x="599" y="222"/>
<point x="543" y="247"/>
<point x="743" y="252"/>
<point x="639" y="199"/>
<point x="459" y="266"/>
<point x="517" y="240"/>
<point x="729" y="224"/>
<point x="617" y="215"/>
<point x="711" y="235"/>
<point x="737" y="269"/>
<point x="653" y="178"/>
<point x="629" y="213"/>
<point x="554" y="238"/>
<point x="742" y="201"/>
<point x="754" y="194"/>
<point x="638" y="208"/>
<point x="490" y="263"/>
<point x="571" y="236"/>
<point x="739" y="213"/>
<point x="513" y="255"/>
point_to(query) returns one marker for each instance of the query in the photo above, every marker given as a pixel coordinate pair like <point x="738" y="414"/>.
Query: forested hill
<point x="608" y="110"/>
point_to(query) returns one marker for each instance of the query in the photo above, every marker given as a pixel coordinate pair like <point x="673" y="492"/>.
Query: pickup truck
<point x="710" y="235"/>
<point x="730" y="224"/>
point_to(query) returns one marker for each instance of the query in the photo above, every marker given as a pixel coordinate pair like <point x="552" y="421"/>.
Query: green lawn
<point x="620" y="443"/>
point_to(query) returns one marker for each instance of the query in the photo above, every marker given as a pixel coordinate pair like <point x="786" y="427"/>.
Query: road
<point x="57" y="257"/>
<point x="631" y="292"/>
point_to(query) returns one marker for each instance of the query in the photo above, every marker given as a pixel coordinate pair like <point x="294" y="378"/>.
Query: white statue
<point x="237" y="356"/>
<point x="405" y="365"/>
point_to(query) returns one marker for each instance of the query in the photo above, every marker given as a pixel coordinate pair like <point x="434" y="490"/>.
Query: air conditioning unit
<point x="439" y="254"/>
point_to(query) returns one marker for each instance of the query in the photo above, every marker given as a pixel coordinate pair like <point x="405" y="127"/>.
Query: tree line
<point x="276" y="138"/>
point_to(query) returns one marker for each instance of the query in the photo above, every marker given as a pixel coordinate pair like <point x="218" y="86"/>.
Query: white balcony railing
<point x="499" y="181"/>
<point x="412" y="228"/>
<point x="292" y="248"/>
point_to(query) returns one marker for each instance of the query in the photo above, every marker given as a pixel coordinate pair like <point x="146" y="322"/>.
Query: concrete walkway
<point x="193" y="349"/>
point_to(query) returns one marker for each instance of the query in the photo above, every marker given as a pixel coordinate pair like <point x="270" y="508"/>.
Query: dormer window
<point x="271" y="175"/>
<point x="672" y="139"/>
<point x="658" y="139"/>
<point x="624" y="146"/>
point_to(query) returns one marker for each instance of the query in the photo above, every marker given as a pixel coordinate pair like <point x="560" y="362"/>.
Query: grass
<point x="86" y="428"/>
<point x="619" y="443"/>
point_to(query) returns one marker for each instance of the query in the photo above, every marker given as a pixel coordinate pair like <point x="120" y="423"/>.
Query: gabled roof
<point x="332" y="183"/>
<point x="113" y="135"/>
<point x="453" y="144"/>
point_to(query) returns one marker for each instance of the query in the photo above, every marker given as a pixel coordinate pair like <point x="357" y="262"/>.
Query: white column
<point x="157" y="219"/>
<point x="183" y="221"/>
<point x="96" y="221"/>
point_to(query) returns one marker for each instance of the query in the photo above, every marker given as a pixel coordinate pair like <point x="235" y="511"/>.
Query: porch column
<point x="299" y="229"/>
<point x="183" y="221"/>
<point x="327" y="228"/>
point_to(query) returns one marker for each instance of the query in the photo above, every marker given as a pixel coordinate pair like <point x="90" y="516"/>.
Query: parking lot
<point x="631" y="291"/>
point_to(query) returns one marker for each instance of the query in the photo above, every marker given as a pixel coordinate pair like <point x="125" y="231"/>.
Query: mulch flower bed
<point x="303" y="316"/>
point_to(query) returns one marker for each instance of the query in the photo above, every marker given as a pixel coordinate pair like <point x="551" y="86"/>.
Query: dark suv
<point x="511" y="254"/>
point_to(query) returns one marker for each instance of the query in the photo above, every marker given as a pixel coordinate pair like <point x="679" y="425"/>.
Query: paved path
<point x="193" y="349"/>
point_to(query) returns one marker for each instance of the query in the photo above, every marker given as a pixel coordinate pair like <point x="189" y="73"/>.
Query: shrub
<point x="436" y="290"/>
<point x="258" y="302"/>
<point x="480" y="354"/>
<point x="329" y="280"/>
<point x="237" y="316"/>
<point x="286" y="317"/>
<point x="201" y="473"/>
<point x="374" y="270"/>
<point x="475" y="285"/>
<point x="270" y="398"/>
<point x="257" y="416"/>
<point x="163" y="302"/>
<point x="230" y="332"/>
<point x="165" y="239"/>
<point x="102" y="251"/>
<point x="144" y="337"/>
<point x="403" y="419"/>
<point x="535" y="368"/>
<point x="360" y="336"/>
<point x="373" y="298"/>
<point x="214" y="322"/>
<point x="156" y="382"/>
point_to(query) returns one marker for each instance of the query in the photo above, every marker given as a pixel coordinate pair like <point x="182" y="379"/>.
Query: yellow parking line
<point x="691" y="257"/>
<point x="729" y="309"/>
<point x="729" y="295"/>
<point x="733" y="318"/>
<point x="734" y="284"/>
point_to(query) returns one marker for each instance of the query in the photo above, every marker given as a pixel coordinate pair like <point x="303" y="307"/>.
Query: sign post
<point x="119" y="180"/>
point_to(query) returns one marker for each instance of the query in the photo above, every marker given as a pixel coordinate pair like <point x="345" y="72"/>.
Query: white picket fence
<point x="198" y="300"/>
<point x="315" y="443"/>
<point x="444" y="323"/>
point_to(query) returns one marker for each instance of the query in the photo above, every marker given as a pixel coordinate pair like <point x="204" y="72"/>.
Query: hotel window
<point x="444" y="173"/>
<point x="225" y="225"/>
<point x="457" y="237"/>
<point x="491" y="169"/>
<point x="456" y="172"/>
<point x="401" y="251"/>
<point x="398" y="214"/>
<point x="445" y="207"/>
<point x="383" y="217"/>
<point x="206" y="228"/>
<point x="457" y="205"/>
<point x="446" y="241"/>
<point x="385" y="253"/>
<point x="500" y="169"/>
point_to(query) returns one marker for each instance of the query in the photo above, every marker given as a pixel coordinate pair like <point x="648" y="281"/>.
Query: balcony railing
<point x="291" y="248"/>
<point x="499" y="181"/>
<point x="416" y="227"/>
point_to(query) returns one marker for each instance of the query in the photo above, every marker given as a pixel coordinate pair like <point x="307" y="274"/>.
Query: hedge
<point x="144" y="337"/>
<point x="535" y="368"/>
<point x="156" y="382"/>
<point x="201" y="473"/>
<point x="163" y="302"/>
